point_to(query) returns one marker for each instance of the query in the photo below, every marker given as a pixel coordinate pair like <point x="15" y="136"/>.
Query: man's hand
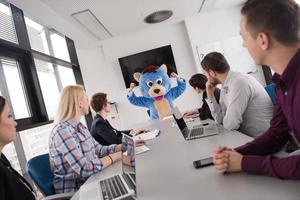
<point x="132" y="85"/>
<point x="235" y="161"/>
<point x="220" y="158"/>
<point x="210" y="88"/>
<point x="227" y="160"/>
<point x="174" y="75"/>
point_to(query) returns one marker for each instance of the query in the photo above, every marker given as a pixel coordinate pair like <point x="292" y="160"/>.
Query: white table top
<point x="167" y="172"/>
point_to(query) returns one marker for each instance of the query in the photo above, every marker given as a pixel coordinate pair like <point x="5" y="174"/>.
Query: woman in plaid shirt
<point x="74" y="154"/>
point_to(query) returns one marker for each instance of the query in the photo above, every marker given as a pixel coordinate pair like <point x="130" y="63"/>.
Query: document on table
<point x="147" y="136"/>
<point x="141" y="149"/>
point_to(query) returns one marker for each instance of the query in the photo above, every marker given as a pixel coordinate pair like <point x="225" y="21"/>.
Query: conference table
<point x="167" y="171"/>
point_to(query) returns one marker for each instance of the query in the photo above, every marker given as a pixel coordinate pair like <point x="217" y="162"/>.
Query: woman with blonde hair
<point x="74" y="153"/>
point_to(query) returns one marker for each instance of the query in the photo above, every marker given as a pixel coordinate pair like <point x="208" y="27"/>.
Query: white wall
<point x="102" y="72"/>
<point x="211" y="26"/>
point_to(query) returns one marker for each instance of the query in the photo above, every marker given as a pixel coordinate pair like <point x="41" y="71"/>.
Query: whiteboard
<point x="236" y="55"/>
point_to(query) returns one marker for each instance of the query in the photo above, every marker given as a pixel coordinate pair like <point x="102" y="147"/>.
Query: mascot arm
<point x="138" y="101"/>
<point x="178" y="90"/>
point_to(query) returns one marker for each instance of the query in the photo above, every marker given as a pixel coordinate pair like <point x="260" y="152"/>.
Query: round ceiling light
<point x="158" y="16"/>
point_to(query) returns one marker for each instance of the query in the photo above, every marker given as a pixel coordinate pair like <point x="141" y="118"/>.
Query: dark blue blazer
<point x="104" y="133"/>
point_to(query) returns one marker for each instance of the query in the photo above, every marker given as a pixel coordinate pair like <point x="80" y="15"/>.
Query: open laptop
<point x="120" y="186"/>
<point x="199" y="131"/>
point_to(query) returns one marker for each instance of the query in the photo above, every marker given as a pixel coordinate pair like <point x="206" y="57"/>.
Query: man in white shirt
<point x="244" y="104"/>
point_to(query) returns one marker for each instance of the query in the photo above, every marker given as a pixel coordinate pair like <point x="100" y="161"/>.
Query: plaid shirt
<point x="74" y="156"/>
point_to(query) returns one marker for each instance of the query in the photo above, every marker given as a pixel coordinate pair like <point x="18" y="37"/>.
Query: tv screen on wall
<point x="137" y="62"/>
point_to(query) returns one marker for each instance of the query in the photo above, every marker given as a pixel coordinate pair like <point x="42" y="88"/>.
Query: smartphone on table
<point x="203" y="162"/>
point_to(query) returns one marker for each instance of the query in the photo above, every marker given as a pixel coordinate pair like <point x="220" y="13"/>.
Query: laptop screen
<point x="128" y="160"/>
<point x="179" y="119"/>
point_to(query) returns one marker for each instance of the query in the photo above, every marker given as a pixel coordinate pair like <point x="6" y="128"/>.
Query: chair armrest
<point x="64" y="196"/>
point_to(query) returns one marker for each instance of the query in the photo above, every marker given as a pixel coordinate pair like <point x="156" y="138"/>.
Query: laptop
<point x="199" y="131"/>
<point x="120" y="186"/>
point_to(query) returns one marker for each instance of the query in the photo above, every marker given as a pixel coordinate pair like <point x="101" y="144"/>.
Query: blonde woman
<point x="74" y="154"/>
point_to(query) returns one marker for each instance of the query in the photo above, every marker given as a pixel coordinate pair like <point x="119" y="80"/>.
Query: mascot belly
<point x="155" y="86"/>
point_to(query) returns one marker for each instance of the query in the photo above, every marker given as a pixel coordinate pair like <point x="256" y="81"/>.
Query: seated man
<point x="272" y="39"/>
<point x="244" y="103"/>
<point x="198" y="82"/>
<point x="101" y="129"/>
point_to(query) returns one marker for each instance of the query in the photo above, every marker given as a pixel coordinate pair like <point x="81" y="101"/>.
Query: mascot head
<point x="154" y="81"/>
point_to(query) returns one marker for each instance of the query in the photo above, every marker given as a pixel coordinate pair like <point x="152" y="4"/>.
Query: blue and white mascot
<point x="155" y="86"/>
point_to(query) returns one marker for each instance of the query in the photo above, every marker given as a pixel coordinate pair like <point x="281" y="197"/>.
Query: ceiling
<point x="123" y="16"/>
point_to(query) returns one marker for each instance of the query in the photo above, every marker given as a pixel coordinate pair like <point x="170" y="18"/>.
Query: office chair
<point x="40" y="172"/>
<point x="271" y="92"/>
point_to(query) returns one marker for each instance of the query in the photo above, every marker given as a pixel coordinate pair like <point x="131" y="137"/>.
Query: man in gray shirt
<point x="244" y="103"/>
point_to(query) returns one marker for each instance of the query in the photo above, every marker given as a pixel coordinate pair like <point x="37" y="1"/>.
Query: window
<point x="16" y="93"/>
<point x="37" y="36"/>
<point x="35" y="141"/>
<point x="59" y="46"/>
<point x="33" y="70"/>
<point x="67" y="76"/>
<point x="10" y="152"/>
<point x="49" y="86"/>
<point x="47" y="41"/>
<point x="7" y="28"/>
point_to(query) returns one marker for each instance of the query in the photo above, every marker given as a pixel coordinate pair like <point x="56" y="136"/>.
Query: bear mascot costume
<point x="155" y="86"/>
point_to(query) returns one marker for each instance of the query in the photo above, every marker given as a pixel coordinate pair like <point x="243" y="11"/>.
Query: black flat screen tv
<point x="137" y="62"/>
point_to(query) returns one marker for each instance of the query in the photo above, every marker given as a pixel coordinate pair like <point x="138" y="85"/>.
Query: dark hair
<point x="199" y="81"/>
<point x="98" y="101"/>
<point x="278" y="18"/>
<point x="2" y="104"/>
<point x="150" y="69"/>
<point x="215" y="61"/>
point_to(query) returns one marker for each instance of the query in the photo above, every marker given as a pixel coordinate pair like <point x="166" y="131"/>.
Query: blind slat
<point x="7" y="29"/>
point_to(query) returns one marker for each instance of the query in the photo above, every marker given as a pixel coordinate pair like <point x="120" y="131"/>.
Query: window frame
<point x="25" y="56"/>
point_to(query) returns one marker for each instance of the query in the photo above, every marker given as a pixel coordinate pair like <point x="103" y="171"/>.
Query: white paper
<point x="147" y="136"/>
<point x="141" y="149"/>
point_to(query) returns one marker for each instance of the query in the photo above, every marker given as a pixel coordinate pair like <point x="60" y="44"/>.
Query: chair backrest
<point x="271" y="92"/>
<point x="40" y="172"/>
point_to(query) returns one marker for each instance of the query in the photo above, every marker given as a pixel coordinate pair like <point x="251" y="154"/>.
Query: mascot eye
<point x="159" y="81"/>
<point x="149" y="83"/>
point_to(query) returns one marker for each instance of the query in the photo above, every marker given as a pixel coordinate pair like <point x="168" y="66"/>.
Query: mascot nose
<point x="156" y="91"/>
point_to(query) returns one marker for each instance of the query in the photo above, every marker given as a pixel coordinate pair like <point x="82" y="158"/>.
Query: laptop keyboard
<point x="112" y="188"/>
<point x="130" y="180"/>
<point x="196" y="132"/>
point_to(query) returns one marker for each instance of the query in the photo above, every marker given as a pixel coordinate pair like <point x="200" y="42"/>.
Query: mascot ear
<point x="164" y="68"/>
<point x="137" y="76"/>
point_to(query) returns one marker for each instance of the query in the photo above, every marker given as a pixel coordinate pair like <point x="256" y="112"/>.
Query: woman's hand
<point x="138" y="143"/>
<point x="189" y="113"/>
<point x="134" y="132"/>
<point x="116" y="156"/>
